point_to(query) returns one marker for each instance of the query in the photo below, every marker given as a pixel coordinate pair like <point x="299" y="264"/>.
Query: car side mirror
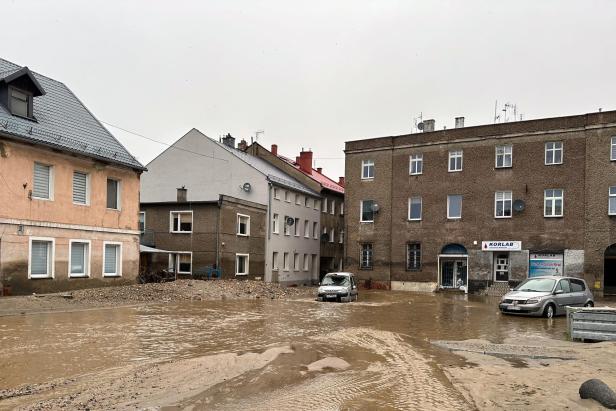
<point x="558" y="292"/>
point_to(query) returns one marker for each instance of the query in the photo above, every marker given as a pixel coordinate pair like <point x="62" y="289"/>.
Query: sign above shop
<point x="501" y="245"/>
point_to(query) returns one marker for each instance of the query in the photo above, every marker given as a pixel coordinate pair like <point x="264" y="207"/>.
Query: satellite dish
<point x="375" y="208"/>
<point x="290" y="221"/>
<point x="247" y="187"/>
<point x="420" y="126"/>
<point x="519" y="205"/>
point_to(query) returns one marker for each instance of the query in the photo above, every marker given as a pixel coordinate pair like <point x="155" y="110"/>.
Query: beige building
<point x="69" y="202"/>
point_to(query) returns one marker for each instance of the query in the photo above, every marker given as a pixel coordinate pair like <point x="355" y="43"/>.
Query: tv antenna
<point x="508" y="113"/>
<point x="418" y="124"/>
<point x="257" y="134"/>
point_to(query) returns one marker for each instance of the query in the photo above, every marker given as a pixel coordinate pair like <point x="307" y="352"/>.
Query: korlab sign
<point x="501" y="245"/>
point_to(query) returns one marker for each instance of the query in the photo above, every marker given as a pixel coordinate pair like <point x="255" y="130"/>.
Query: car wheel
<point x="549" y="311"/>
<point x="589" y="304"/>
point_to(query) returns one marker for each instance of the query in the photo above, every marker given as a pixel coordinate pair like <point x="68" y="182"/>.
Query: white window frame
<point x="341" y="241"/>
<point x="361" y="212"/>
<point x="239" y="217"/>
<point x="369" y="260"/>
<point x="287" y="227"/>
<point x="507" y="151"/>
<point x="455" y="155"/>
<point x="420" y="208"/>
<point x="306" y="262"/>
<point x="275" y="261"/>
<point x="285" y="261"/>
<point x="417" y="161"/>
<point x="342" y="208"/>
<point x="87" y="203"/>
<point x="324" y="231"/>
<point x="118" y="194"/>
<point x="287" y="196"/>
<point x="276" y="194"/>
<point x="177" y="262"/>
<point x="504" y="200"/>
<point x="554" y="150"/>
<point x="298" y="199"/>
<point x="87" y="262"/>
<point x="449" y="217"/>
<point x="276" y="223"/>
<point x="324" y="205"/>
<point x="307" y="201"/>
<point x="144" y="219"/>
<point x="51" y="182"/>
<point x="295" y="261"/>
<point x="317" y="204"/>
<point x="119" y="262"/>
<point x="553" y="200"/>
<point x="247" y="264"/>
<point x="296" y="227"/>
<point x="366" y="165"/>
<point x="306" y="229"/>
<point x="332" y="235"/>
<point x="610" y="198"/>
<point x="332" y="210"/>
<point x="51" y="258"/>
<point x="315" y="230"/>
<point x="171" y="230"/>
<point x="613" y="149"/>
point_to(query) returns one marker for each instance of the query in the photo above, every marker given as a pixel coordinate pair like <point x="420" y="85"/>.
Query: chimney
<point x="242" y="145"/>
<point x="305" y="161"/>
<point x="275" y="149"/>
<point x="429" y="125"/>
<point x="341" y="181"/>
<point x="182" y="194"/>
<point x="320" y="170"/>
<point x="459" y="122"/>
<point x="228" y="140"/>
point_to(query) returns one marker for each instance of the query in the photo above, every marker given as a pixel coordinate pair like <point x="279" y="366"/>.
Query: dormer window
<point x="18" y="88"/>
<point x="20" y="103"/>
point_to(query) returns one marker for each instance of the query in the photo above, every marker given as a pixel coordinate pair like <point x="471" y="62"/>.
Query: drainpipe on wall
<point x="218" y="233"/>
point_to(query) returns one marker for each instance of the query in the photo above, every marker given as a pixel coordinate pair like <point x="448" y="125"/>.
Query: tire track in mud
<point x="403" y="380"/>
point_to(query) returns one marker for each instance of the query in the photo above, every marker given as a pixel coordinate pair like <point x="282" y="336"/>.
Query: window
<point x="306" y="201"/>
<point x="41" y="264"/>
<point x="563" y="285"/>
<point x="415" y="208"/>
<point x="306" y="228"/>
<point x="20" y="103"/>
<point x="112" y="259"/>
<point x="287" y="227"/>
<point x="275" y="224"/>
<point x="181" y="221"/>
<point x="296" y="227"/>
<point x="276" y="194"/>
<point x="341" y="208"/>
<point x="275" y="261"/>
<point x="287" y="196"/>
<point x="341" y="237"/>
<point x="241" y="264"/>
<point x="306" y="262"/>
<point x="413" y="256"/>
<point x="365" y="259"/>
<point x="454" y="206"/>
<point x="184" y="263"/>
<point x="81" y="189"/>
<point x="553" y="203"/>
<point x="315" y="230"/>
<point x="577" y="285"/>
<point x="613" y="149"/>
<point x="332" y="235"/>
<point x="298" y="199"/>
<point x="243" y="225"/>
<point x="324" y="236"/>
<point x="554" y="152"/>
<point x="367" y="169"/>
<point x="142" y="222"/>
<point x="43" y="182"/>
<point x="502" y="204"/>
<point x="504" y="156"/>
<point x="455" y="160"/>
<point x="332" y="210"/>
<point x="324" y="208"/>
<point x="367" y="211"/>
<point x="285" y="261"/>
<point x="295" y="262"/>
<point x="113" y="194"/>
<point x="317" y="204"/>
<point x="416" y="164"/>
<point x="612" y="201"/>
<point x="79" y="258"/>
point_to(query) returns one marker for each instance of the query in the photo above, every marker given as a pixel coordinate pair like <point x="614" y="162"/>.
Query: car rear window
<point x="577" y="285"/>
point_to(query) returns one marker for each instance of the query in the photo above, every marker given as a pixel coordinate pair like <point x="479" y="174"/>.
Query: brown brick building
<point x="471" y="206"/>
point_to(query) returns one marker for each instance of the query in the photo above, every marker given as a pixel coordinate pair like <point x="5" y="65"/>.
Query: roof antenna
<point x="257" y="134"/>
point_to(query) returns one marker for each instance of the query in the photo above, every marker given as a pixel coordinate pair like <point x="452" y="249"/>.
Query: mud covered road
<point x="386" y="351"/>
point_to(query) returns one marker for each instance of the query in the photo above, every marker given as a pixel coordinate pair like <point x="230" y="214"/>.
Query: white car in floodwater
<point x="341" y="287"/>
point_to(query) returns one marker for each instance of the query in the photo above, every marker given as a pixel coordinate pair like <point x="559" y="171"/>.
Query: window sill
<point x="454" y="218"/>
<point x="180" y="232"/>
<point x="502" y="167"/>
<point x="111" y="275"/>
<point x="366" y="222"/>
<point x="503" y="217"/>
<point x="554" y="164"/>
<point x="40" y="277"/>
<point x="113" y="209"/>
<point x="414" y="219"/>
<point x="367" y="179"/>
<point x="42" y="198"/>
<point x="454" y="171"/>
<point x="243" y="235"/>
<point x="79" y="276"/>
<point x="415" y="174"/>
<point x="81" y="204"/>
<point x="366" y="268"/>
<point x="185" y="272"/>
<point x="241" y="274"/>
<point x="553" y="216"/>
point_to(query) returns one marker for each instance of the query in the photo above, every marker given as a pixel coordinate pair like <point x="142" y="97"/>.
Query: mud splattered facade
<point x="468" y="207"/>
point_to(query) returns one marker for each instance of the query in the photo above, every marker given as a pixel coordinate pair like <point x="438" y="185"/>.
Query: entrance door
<point x="501" y="267"/>
<point x="609" y="271"/>
<point x="454" y="273"/>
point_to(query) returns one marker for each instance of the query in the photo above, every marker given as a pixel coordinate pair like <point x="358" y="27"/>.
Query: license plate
<point x="514" y="307"/>
<point x="331" y="295"/>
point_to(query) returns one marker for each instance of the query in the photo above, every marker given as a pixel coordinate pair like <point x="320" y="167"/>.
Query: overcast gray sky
<point x="315" y="74"/>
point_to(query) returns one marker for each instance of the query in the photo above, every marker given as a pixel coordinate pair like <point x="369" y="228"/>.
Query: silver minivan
<point x="341" y="287"/>
<point x="547" y="296"/>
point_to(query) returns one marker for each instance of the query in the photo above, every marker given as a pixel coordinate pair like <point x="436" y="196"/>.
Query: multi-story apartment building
<point x="216" y="205"/>
<point x="331" y="206"/>
<point x="70" y="199"/>
<point x="466" y="207"/>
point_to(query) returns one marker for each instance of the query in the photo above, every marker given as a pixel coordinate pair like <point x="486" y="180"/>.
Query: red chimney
<point x="305" y="161"/>
<point x="275" y="149"/>
<point x="341" y="181"/>
<point x="320" y="170"/>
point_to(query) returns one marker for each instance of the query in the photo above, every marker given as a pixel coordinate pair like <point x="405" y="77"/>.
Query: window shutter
<point x="79" y="187"/>
<point x="78" y="258"/>
<point x="39" y="262"/>
<point x="41" y="181"/>
<point x="111" y="259"/>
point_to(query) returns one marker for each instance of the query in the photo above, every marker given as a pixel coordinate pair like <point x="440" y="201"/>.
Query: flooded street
<point x="259" y="354"/>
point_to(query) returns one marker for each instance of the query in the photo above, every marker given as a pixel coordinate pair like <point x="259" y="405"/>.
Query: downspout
<point x="218" y="233"/>
<point x="391" y="212"/>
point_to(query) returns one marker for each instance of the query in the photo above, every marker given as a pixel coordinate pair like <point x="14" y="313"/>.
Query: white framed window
<point x="341" y="208"/>
<point x="180" y="221"/>
<point x="415" y="205"/>
<point x="306" y="262"/>
<point x="553" y="153"/>
<point x="315" y="230"/>
<point x="332" y="235"/>
<point x="324" y="204"/>
<point x="276" y="193"/>
<point x="113" y="194"/>
<point x="285" y="261"/>
<point x="613" y="148"/>
<point x="306" y="201"/>
<point x="454" y="207"/>
<point x="332" y="209"/>
<point x="275" y="223"/>
<point x="79" y="258"/>
<point x="298" y="199"/>
<point x="296" y="227"/>
<point x="181" y="262"/>
<point x="275" y="261"/>
<point x="243" y="225"/>
<point x="367" y="169"/>
<point x="553" y="202"/>
<point x="41" y="261"/>
<point x="416" y="164"/>
<point x="142" y="222"/>
<point x="367" y="211"/>
<point x="341" y="241"/>
<point x="295" y="262"/>
<point x="504" y="156"/>
<point x="42" y="187"/>
<point x="366" y="256"/>
<point x="242" y="262"/>
<point x="324" y="233"/>
<point x="455" y="161"/>
<point x="287" y="227"/>
<point x="287" y="196"/>
<point x="503" y="201"/>
<point x="612" y="201"/>
<point x="306" y="229"/>
<point x="112" y="259"/>
<point x="317" y="204"/>
<point x="81" y="188"/>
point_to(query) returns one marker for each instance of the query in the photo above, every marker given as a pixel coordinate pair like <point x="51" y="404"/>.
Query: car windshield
<point x="537" y="284"/>
<point x="335" y="280"/>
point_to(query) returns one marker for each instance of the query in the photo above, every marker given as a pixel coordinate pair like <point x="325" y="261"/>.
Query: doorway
<point x="453" y="267"/>
<point x="501" y="267"/>
<point x="609" y="270"/>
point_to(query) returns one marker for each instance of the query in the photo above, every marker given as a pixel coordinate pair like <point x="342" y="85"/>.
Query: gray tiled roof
<point x="62" y="121"/>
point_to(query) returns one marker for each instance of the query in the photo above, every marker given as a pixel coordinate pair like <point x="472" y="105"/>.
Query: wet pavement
<point x="384" y="337"/>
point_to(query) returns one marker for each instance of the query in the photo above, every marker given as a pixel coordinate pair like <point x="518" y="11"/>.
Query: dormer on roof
<point x="18" y="87"/>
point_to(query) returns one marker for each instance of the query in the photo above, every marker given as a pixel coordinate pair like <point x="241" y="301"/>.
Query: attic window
<point x="20" y="103"/>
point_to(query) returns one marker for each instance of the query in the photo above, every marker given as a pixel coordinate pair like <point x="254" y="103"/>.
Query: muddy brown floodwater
<point x="267" y="354"/>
